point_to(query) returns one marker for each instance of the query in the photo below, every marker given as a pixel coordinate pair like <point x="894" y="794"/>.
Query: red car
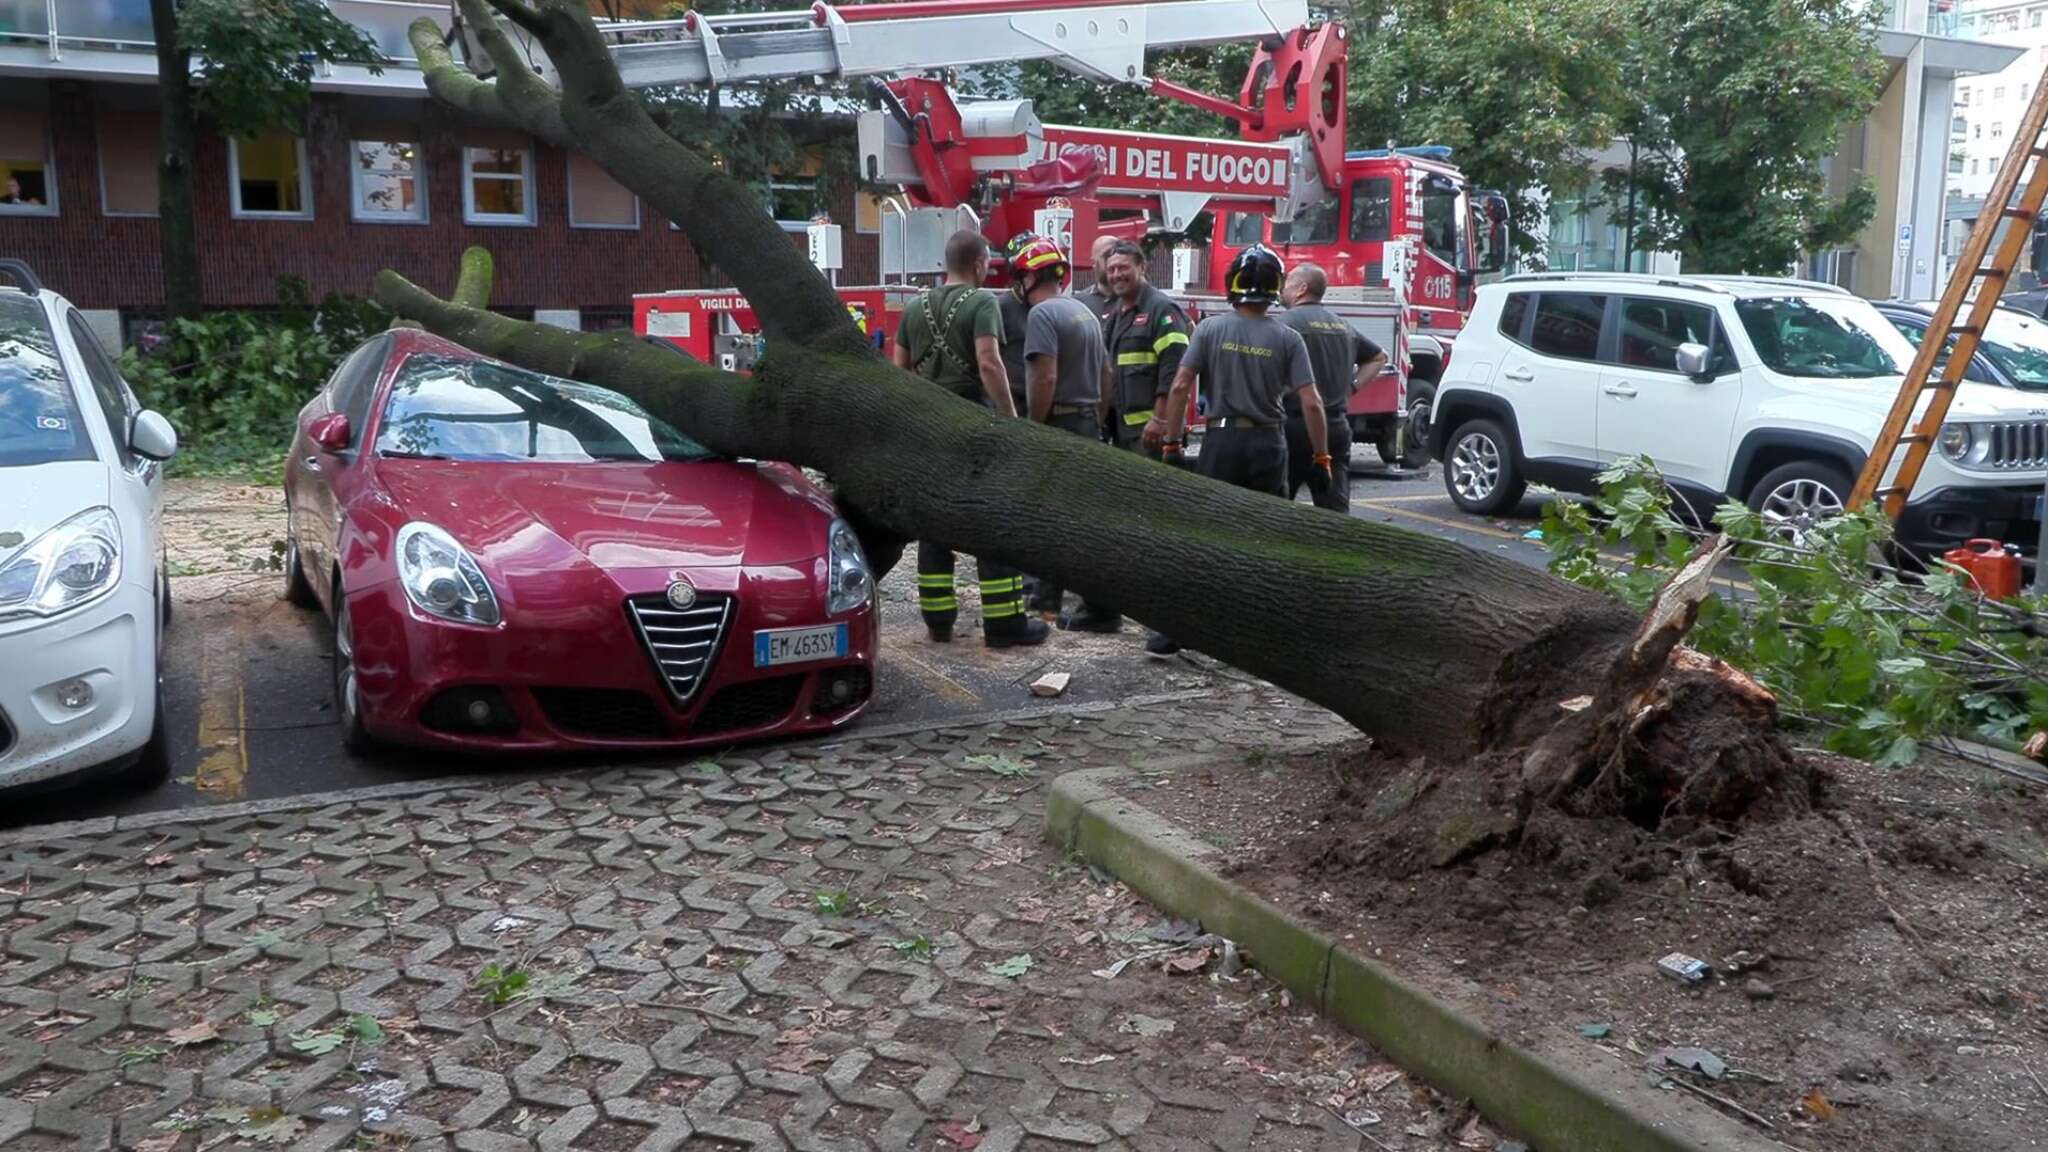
<point x="513" y="561"/>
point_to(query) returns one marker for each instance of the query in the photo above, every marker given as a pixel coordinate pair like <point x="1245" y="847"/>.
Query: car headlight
<point x="849" y="583"/>
<point x="1956" y="441"/>
<point x="72" y="564"/>
<point x="441" y="578"/>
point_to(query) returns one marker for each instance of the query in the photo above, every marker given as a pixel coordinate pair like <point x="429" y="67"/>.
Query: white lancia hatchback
<point x="83" y="597"/>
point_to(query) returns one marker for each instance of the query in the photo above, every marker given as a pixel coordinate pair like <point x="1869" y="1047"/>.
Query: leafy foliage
<point x="231" y="383"/>
<point x="502" y="984"/>
<point x="256" y="58"/>
<point x="1879" y="662"/>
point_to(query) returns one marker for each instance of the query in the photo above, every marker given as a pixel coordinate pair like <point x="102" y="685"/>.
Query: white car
<point x="1763" y="390"/>
<point x="83" y="597"/>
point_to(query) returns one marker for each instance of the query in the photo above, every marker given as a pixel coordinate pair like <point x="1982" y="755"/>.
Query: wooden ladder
<point x="1989" y="281"/>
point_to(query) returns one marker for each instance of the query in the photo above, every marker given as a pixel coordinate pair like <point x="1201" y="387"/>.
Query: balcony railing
<point x="123" y="25"/>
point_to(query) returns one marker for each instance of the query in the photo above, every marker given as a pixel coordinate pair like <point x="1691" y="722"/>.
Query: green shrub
<point x="231" y="383"/>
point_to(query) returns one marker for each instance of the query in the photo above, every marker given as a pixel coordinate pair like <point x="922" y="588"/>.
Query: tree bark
<point x="1427" y="646"/>
<point x="177" y="222"/>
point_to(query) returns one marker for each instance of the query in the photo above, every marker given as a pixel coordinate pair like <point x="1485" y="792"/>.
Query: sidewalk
<point x="860" y="945"/>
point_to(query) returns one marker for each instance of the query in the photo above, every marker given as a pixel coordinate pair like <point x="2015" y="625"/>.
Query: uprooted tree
<point x="1430" y="648"/>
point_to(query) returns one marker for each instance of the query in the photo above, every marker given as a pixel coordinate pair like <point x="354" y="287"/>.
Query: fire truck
<point x="1400" y="230"/>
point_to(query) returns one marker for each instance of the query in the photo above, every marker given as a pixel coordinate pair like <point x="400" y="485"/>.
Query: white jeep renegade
<point x="1769" y="391"/>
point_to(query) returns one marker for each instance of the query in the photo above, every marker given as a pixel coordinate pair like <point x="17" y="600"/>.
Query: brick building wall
<point x="111" y="262"/>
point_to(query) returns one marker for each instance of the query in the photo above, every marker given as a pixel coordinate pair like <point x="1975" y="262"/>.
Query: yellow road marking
<point x="1412" y="498"/>
<point x="931" y="675"/>
<point x="223" y="716"/>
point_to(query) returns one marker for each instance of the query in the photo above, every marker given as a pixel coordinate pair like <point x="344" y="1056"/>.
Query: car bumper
<point x="1946" y="517"/>
<point x="587" y="680"/>
<point x="111" y="645"/>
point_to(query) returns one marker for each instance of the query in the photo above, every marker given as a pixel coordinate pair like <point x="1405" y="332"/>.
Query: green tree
<point x="1735" y="105"/>
<point x="255" y="73"/>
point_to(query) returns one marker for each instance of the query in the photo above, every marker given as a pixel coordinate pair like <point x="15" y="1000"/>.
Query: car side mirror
<point x="330" y="432"/>
<point x="152" y="437"/>
<point x="1692" y="360"/>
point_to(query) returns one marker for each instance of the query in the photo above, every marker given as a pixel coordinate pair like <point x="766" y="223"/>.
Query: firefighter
<point x="1343" y="361"/>
<point x="1066" y="382"/>
<point x="1248" y="363"/>
<point x="1015" y="308"/>
<point x="952" y="335"/>
<point x="1097" y="296"/>
<point x="1147" y="336"/>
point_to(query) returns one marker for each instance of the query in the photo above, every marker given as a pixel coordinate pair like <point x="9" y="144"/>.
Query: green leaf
<point x="1012" y="968"/>
<point x="1000" y="765"/>
<point x="261" y="1017"/>
<point x="1901" y="665"/>
<point x="365" y="1028"/>
<point x="1899" y="753"/>
<point x="317" y="1043"/>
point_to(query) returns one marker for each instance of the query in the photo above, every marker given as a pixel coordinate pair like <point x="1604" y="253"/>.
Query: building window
<point x="1994" y="166"/>
<point x="1955" y="163"/>
<point x="267" y="176"/>
<point x="793" y="201"/>
<point x="1998" y="93"/>
<point x="2034" y="18"/>
<point x="28" y="183"/>
<point x="497" y="185"/>
<point x="598" y="201"/>
<point x="1963" y="96"/>
<point x="388" y="181"/>
<point x="1976" y="167"/>
<point x="1978" y="132"/>
<point x="128" y="162"/>
<point x="1997" y="130"/>
<point x="1959" y="128"/>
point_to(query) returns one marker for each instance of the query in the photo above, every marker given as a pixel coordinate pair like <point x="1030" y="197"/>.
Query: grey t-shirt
<point x="1064" y="329"/>
<point x="1247" y="364"/>
<point x="1015" y="314"/>
<point x="1335" y="350"/>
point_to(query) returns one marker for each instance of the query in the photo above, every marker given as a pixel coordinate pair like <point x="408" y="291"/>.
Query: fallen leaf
<point x="962" y="1134"/>
<point x="158" y="860"/>
<point x="317" y="1043"/>
<point x="261" y="1017"/>
<point x="988" y="1003"/>
<point x="1146" y="1026"/>
<point x="163" y="1143"/>
<point x="791" y="1036"/>
<point x="798" y="1059"/>
<point x="1423" y="1131"/>
<point x="1014" y="967"/>
<point x="1190" y="963"/>
<point x="1000" y="765"/>
<point x="281" y="1131"/>
<point x="199" y="1033"/>
<point x="1817" y="1104"/>
<point x="1475" y="1136"/>
<point x="1379" y="1076"/>
<point x="1090" y="1062"/>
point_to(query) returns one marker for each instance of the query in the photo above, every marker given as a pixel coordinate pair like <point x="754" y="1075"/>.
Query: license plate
<point x="777" y="646"/>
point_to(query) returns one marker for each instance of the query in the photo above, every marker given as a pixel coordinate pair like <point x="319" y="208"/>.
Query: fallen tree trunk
<point x="1427" y="646"/>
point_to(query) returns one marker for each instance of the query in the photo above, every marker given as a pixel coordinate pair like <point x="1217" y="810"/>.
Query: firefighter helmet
<point x="1255" y="276"/>
<point x="1033" y="259"/>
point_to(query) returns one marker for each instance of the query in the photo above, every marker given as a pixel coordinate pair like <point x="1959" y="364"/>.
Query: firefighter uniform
<point x="1247" y="366"/>
<point x="1336" y="351"/>
<point x="1015" y="314"/>
<point x="1147" y="339"/>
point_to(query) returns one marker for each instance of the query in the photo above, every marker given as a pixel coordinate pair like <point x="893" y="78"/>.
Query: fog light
<point x="839" y="690"/>
<point x="74" y="694"/>
<point x="479" y="712"/>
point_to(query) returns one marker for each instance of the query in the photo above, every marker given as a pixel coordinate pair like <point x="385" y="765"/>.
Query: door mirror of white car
<point x="1692" y="360"/>
<point x="152" y="436"/>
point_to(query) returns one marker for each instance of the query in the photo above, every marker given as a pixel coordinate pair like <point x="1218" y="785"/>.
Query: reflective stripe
<point x="1002" y="611"/>
<point x="1169" y="340"/>
<point x="938" y="604"/>
<point x="1133" y="419"/>
<point x="939" y="580"/>
<point x="1131" y="359"/>
<point x="998" y="587"/>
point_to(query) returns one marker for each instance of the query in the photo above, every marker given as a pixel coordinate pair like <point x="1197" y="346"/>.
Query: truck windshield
<point x="454" y="408"/>
<point x="1443" y="213"/>
<point x="39" y="418"/>
<point x="1246" y="229"/>
<point x="1829" y="337"/>
<point x="1316" y="224"/>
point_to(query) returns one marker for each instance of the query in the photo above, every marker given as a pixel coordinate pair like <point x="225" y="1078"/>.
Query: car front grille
<point x="751" y="704"/>
<point x="2017" y="446"/>
<point x="605" y="713"/>
<point x="683" y="641"/>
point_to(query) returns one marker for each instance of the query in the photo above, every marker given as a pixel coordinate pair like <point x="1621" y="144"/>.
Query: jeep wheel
<point x="1479" y="469"/>
<point x="1793" y="498"/>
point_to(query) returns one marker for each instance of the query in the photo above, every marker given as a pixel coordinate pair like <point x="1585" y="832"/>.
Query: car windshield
<point x="2018" y="344"/>
<point x="39" y="417"/>
<point x="454" y="408"/>
<point x="1832" y="337"/>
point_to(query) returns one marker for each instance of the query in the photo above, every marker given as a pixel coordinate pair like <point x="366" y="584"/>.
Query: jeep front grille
<point x="2016" y="446"/>
<point x="683" y="641"/>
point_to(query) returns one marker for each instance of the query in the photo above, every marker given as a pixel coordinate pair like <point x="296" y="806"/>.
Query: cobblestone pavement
<point x="860" y="945"/>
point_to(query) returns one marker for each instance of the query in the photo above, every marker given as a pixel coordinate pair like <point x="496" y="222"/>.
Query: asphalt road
<point x="251" y="714"/>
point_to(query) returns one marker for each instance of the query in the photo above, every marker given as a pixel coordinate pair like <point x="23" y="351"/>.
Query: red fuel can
<point x="1993" y="567"/>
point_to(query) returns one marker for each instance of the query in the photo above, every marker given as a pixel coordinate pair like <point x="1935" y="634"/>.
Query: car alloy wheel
<point x="1475" y="466"/>
<point x="1793" y="508"/>
<point x="348" y="704"/>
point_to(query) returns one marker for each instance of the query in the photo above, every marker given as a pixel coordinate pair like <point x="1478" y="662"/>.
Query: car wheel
<point x="1479" y="469"/>
<point x="348" y="709"/>
<point x="1793" y="498"/>
<point x="298" y="591"/>
<point x="1421" y="397"/>
<point x="164" y="586"/>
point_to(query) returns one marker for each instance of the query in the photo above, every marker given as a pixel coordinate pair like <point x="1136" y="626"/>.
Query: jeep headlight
<point x="72" y="564"/>
<point x="1956" y="440"/>
<point x="849" y="584"/>
<point x="441" y="578"/>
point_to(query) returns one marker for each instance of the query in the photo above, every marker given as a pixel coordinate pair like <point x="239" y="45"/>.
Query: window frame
<point x="49" y="206"/>
<point x="1603" y="338"/>
<point x="1386" y="229"/>
<point x="358" y="214"/>
<point x="569" y="177"/>
<point x="94" y="360"/>
<point x="235" y="209"/>
<point x="785" y="185"/>
<point x="360" y="370"/>
<point x="1520" y="335"/>
<point x="472" y="217"/>
<point x="1717" y="343"/>
<point x="99" y="145"/>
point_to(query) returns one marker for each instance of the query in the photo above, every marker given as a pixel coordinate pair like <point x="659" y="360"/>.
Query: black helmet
<point x="1255" y="276"/>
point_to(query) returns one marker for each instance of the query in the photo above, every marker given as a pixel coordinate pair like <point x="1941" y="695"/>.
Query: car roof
<point x="1741" y="287"/>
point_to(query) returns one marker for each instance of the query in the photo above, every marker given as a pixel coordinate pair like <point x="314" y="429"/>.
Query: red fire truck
<point x="1401" y="232"/>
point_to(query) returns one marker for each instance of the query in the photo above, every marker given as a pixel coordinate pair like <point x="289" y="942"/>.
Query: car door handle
<point x="1621" y="390"/>
<point x="1522" y="375"/>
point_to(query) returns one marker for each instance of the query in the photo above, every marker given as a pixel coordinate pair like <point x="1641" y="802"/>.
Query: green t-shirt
<point x="964" y="313"/>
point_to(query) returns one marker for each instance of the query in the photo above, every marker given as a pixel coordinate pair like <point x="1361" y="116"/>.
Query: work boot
<point x="1161" y="645"/>
<point x="1026" y="633"/>
<point x="940" y="633"/>
<point x="1090" y="620"/>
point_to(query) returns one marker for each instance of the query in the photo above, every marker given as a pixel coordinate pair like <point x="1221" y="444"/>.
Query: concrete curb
<point x="1560" y="1097"/>
<point x="402" y="789"/>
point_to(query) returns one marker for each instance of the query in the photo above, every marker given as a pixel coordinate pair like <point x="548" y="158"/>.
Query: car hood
<point x="37" y="497"/>
<point x="520" y="518"/>
<point x="1975" y="401"/>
